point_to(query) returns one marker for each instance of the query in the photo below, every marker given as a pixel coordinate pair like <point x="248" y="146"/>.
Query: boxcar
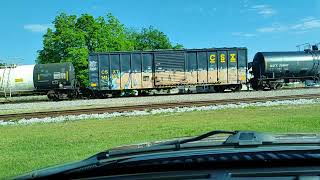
<point x="214" y="69"/>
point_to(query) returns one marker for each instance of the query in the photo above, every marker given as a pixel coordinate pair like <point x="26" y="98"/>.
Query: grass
<point x="27" y="147"/>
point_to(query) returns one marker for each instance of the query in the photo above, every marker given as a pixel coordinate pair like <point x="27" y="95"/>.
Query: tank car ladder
<point x="2" y="88"/>
<point x="4" y="85"/>
<point x="316" y="66"/>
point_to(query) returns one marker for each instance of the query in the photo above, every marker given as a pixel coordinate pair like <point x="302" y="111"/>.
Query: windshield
<point x="81" y="77"/>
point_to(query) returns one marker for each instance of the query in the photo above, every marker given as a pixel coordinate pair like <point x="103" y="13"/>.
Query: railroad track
<point x="23" y="99"/>
<point x="17" y="101"/>
<point x="7" y="117"/>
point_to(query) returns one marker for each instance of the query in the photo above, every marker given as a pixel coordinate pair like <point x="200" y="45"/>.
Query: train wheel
<point x="219" y="89"/>
<point x="237" y="88"/>
<point x="278" y="86"/>
<point x="86" y="93"/>
<point x="254" y="84"/>
<point x="52" y="95"/>
<point x="72" y="94"/>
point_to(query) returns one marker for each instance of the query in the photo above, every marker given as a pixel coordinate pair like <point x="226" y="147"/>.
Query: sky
<point x="273" y="25"/>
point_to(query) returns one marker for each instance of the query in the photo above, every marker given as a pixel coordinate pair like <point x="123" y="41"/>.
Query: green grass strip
<point x="28" y="147"/>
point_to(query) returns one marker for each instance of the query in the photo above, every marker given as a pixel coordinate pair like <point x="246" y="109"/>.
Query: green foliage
<point x="151" y="39"/>
<point x="73" y="38"/>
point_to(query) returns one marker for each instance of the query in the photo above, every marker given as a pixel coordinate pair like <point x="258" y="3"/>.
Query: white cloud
<point x="266" y="29"/>
<point x="42" y="28"/>
<point x="273" y="28"/>
<point x="307" y="23"/>
<point x="264" y="10"/>
<point x="203" y="11"/>
<point x="302" y="26"/>
<point x="243" y="34"/>
<point x="245" y="3"/>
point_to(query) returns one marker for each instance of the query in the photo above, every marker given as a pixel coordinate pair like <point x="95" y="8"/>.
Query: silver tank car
<point x="16" y="80"/>
<point x="276" y="66"/>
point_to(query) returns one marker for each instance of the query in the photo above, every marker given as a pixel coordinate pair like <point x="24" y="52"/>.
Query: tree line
<point x="73" y="38"/>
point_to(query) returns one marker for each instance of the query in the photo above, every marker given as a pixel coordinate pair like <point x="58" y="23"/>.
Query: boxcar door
<point x="222" y="67"/>
<point x="115" y="81"/>
<point x="147" y="76"/>
<point x="125" y="71"/>
<point x="136" y="63"/>
<point x="202" y="67"/>
<point x="104" y="72"/>
<point x="191" y="68"/>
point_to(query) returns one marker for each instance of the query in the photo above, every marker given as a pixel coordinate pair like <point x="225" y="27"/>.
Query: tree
<point x="152" y="39"/>
<point x="73" y="38"/>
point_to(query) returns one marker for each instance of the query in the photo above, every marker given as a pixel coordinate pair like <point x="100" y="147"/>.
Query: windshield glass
<point x="81" y="77"/>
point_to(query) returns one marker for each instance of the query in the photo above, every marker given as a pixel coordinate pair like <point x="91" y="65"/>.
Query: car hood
<point x="248" y="141"/>
<point x="220" y="139"/>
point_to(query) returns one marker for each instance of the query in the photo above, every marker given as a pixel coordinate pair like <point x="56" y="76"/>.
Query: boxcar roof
<point x="170" y="50"/>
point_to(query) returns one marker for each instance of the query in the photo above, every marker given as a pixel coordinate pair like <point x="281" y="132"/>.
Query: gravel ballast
<point x="21" y="99"/>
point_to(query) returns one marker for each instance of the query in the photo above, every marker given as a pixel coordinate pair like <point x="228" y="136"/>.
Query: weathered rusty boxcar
<point x="216" y="68"/>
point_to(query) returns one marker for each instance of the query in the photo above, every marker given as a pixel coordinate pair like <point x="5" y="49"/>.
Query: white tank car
<point x="16" y="80"/>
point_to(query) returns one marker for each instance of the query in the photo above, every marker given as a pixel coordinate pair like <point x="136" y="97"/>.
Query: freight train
<point x="144" y="72"/>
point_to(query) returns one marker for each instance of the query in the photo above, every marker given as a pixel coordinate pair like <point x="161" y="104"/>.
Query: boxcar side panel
<point x="136" y="75"/>
<point x="191" y="73"/>
<point x="115" y="72"/>
<point x="94" y="72"/>
<point x="125" y="71"/>
<point x="242" y="66"/>
<point x="147" y="75"/>
<point x="232" y="67"/>
<point x="222" y="67"/>
<point x="104" y="72"/>
<point x="212" y="68"/>
<point x="202" y="67"/>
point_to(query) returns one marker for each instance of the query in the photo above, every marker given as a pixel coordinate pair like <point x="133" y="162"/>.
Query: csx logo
<point x="233" y="57"/>
<point x="222" y="58"/>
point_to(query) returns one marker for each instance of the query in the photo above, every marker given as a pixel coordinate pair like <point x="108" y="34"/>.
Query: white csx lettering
<point x="278" y="65"/>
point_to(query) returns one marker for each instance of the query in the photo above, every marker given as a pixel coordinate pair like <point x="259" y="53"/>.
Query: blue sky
<point x="258" y="25"/>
